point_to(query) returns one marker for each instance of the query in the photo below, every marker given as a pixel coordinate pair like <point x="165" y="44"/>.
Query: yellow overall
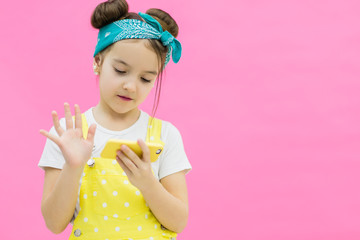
<point x="110" y="206"/>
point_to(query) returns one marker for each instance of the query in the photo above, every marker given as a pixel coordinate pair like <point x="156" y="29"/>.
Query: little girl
<point x="129" y="197"/>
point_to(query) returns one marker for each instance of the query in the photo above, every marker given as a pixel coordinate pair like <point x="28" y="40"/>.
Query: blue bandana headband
<point x="133" y="28"/>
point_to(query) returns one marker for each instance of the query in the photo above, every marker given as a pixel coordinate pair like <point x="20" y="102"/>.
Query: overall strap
<point x="84" y="125"/>
<point x="154" y="131"/>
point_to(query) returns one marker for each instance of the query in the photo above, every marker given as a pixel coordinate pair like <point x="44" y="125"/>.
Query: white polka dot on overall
<point x="110" y="206"/>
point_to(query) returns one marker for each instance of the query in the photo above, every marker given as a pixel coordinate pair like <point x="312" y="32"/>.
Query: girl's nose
<point x="129" y="85"/>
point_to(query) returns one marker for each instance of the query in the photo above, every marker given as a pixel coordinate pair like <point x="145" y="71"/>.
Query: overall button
<point x="77" y="233"/>
<point x="91" y="162"/>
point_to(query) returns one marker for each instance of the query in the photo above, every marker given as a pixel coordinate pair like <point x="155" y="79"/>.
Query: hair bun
<point x="166" y="21"/>
<point x="108" y="12"/>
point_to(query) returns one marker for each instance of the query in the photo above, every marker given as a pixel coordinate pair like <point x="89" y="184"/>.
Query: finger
<point x="68" y="116"/>
<point x="56" y="122"/>
<point x="53" y="138"/>
<point x="145" y="150"/>
<point x="130" y="154"/>
<point x="78" y="122"/>
<point x="91" y="132"/>
<point x="128" y="163"/>
<point x="123" y="166"/>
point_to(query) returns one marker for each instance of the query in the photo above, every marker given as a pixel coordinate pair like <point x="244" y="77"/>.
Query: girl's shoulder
<point x="169" y="131"/>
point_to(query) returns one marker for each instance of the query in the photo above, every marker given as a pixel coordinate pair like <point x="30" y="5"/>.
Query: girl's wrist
<point x="149" y="185"/>
<point x="74" y="168"/>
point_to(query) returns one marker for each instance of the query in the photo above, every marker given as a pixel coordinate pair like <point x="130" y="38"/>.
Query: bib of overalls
<point x="110" y="206"/>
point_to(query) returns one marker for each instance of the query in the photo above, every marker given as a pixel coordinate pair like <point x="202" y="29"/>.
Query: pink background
<point x="266" y="97"/>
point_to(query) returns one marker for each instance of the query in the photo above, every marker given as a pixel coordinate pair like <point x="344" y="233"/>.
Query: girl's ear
<point x="97" y="62"/>
<point x="97" y="59"/>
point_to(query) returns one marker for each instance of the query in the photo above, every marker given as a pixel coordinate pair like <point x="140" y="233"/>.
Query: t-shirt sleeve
<point x="174" y="158"/>
<point x="52" y="155"/>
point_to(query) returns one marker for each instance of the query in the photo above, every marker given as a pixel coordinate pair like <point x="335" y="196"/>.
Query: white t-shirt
<point x="172" y="160"/>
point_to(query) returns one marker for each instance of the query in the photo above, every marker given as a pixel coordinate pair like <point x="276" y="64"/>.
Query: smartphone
<point x="113" y="145"/>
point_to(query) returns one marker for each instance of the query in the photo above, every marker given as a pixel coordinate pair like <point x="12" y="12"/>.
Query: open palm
<point x="75" y="149"/>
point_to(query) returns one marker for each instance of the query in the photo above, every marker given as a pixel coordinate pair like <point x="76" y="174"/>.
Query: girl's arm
<point x="168" y="200"/>
<point x="61" y="186"/>
<point x="59" y="196"/>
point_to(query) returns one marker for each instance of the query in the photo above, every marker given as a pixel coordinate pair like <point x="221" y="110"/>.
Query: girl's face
<point x="129" y="69"/>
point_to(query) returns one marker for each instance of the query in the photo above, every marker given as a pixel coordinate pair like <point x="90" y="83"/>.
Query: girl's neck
<point x="113" y="121"/>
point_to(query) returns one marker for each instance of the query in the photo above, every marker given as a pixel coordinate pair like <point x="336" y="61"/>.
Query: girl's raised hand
<point x="75" y="149"/>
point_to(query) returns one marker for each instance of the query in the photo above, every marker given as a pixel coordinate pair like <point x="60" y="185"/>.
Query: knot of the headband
<point x="166" y="38"/>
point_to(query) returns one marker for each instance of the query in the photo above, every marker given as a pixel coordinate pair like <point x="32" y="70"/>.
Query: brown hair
<point x="113" y="10"/>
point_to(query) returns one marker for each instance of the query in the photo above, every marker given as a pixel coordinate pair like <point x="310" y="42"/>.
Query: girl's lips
<point x="124" y="98"/>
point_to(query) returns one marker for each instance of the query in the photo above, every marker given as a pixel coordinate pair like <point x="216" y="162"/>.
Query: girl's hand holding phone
<point x="138" y="170"/>
<point x="75" y="149"/>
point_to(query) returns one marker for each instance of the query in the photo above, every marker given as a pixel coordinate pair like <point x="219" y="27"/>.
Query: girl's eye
<point x="119" y="71"/>
<point x="145" y="80"/>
